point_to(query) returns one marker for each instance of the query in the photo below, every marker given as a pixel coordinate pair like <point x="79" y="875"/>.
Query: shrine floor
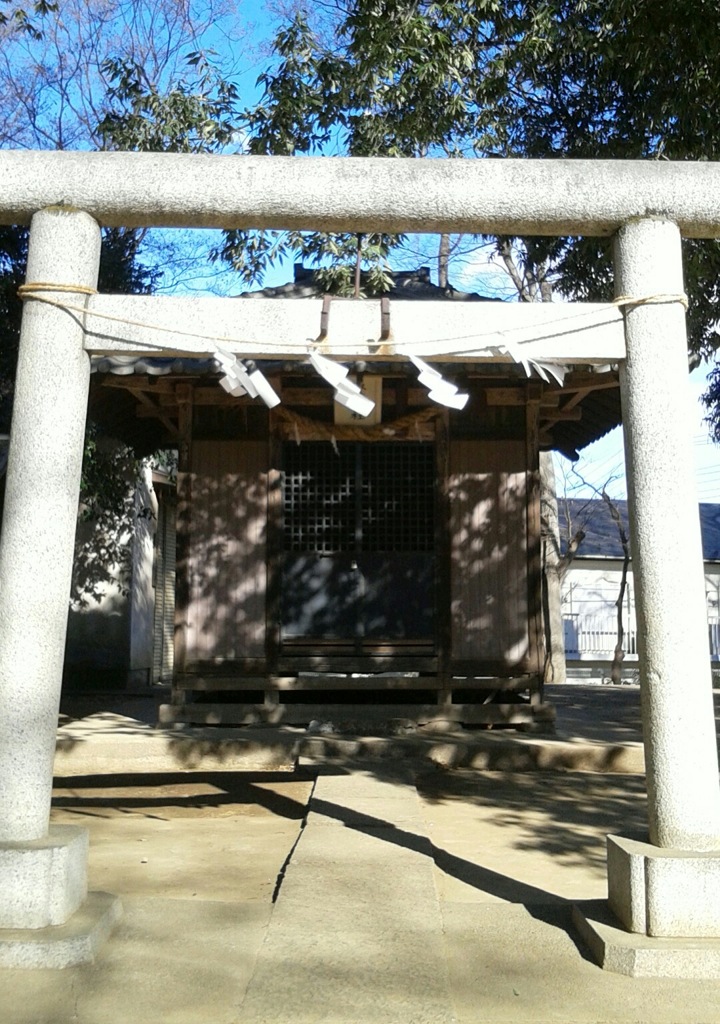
<point x="353" y="889"/>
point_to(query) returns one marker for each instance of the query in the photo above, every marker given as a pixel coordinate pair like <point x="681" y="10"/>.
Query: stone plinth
<point x="662" y="916"/>
<point x="44" y="880"/>
<point x="67" y="945"/>
<point x="663" y="892"/>
<point x="640" y="956"/>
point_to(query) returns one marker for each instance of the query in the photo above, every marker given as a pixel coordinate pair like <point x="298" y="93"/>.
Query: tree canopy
<point x="552" y="78"/>
<point x="104" y="74"/>
<point x="411" y="78"/>
<point x="38" y="117"/>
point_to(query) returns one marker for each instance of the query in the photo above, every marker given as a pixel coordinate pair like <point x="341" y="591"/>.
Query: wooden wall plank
<point x="443" y="595"/>
<point x="228" y="550"/>
<point x="536" y="655"/>
<point x="489" y="585"/>
<point x="274" y="542"/>
<point x="184" y="396"/>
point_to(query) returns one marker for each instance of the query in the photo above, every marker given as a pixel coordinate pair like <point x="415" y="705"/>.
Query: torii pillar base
<point x="47" y="918"/>
<point x="74" y="942"/>
<point x="642" y="956"/>
<point x="662" y="915"/>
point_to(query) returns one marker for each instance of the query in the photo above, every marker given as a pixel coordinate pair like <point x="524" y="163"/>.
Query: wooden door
<point x="359" y="563"/>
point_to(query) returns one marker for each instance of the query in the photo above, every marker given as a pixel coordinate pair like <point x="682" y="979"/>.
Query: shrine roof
<point x="602" y="539"/>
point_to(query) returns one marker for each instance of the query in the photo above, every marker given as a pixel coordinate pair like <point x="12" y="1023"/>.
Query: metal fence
<point x="595" y="637"/>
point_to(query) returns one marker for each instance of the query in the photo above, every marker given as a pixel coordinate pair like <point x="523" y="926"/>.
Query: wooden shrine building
<point x="335" y="567"/>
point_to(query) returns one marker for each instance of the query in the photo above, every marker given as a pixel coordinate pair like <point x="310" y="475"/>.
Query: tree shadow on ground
<point x="558" y="814"/>
<point x="143" y="793"/>
<point x="569" y="812"/>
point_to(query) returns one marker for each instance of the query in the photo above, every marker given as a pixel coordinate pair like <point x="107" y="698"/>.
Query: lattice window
<point x="319" y="498"/>
<point x="398" y="497"/>
<point x="376" y="497"/>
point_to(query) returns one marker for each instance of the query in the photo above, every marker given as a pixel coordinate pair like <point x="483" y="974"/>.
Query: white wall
<point x="589" y="594"/>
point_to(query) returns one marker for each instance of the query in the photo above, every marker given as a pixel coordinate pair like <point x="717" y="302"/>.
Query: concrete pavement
<point x="372" y="891"/>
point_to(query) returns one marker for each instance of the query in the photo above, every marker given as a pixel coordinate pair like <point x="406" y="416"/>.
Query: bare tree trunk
<point x="443" y="260"/>
<point x="619" y="652"/>
<point x="358" y="266"/>
<point x="506" y="253"/>
<point x="555" y="670"/>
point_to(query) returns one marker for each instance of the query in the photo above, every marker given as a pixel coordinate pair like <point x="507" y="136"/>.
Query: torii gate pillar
<point x="44" y="869"/>
<point x="665" y="885"/>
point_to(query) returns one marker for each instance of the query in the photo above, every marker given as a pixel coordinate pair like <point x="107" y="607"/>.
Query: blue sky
<point x="245" y="40"/>
<point x="603" y="463"/>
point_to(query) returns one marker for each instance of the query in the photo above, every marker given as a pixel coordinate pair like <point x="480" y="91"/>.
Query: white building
<point x="591" y="587"/>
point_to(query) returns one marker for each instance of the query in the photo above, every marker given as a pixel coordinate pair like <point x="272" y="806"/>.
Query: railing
<point x="596" y="637"/>
<point x="714" y="628"/>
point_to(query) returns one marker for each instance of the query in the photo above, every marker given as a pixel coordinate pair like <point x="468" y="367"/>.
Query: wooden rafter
<point x="150" y="408"/>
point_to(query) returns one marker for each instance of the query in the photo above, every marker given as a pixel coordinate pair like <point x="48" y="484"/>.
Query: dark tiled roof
<point x="601" y="534"/>
<point x="407" y="284"/>
<point x="600" y="414"/>
<point x="152" y="366"/>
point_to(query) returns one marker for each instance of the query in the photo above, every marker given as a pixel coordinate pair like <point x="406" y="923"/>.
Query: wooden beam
<point x="417" y="426"/>
<point x="564" y="415"/>
<point x="584" y="380"/>
<point x="139" y="382"/>
<point x="348" y="662"/>
<point x="300" y="681"/>
<point x="576" y="398"/>
<point x="148" y="408"/>
<point x="517" y="396"/>
<point x="506" y="396"/>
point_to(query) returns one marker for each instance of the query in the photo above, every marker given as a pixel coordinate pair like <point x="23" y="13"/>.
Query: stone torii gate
<point x="665" y="890"/>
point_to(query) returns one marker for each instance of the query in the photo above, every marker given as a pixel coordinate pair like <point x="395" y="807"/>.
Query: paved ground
<point x="365" y="891"/>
